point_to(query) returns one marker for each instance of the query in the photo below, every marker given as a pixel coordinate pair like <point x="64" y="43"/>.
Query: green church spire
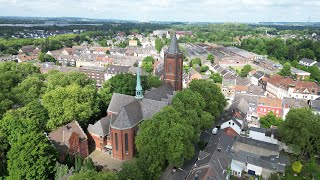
<point x="139" y="91"/>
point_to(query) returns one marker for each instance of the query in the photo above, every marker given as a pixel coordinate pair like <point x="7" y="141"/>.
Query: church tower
<point x="173" y="64"/>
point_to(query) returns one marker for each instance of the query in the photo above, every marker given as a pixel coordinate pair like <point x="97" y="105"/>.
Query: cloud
<point x="168" y="10"/>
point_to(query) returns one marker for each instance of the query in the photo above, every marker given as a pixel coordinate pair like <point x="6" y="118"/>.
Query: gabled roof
<point x="174" y="46"/>
<point x="257" y="143"/>
<point x="258" y="74"/>
<point x="60" y="137"/>
<point x="101" y="127"/>
<point x="306" y="60"/>
<point x="159" y="93"/>
<point x="129" y="116"/>
<point x="118" y="101"/>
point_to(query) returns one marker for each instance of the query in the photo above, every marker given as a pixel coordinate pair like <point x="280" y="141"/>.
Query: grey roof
<point x="219" y="158"/>
<point x="101" y="127"/>
<point x="317" y="64"/>
<point x="261" y="130"/>
<point x="129" y="116"/>
<point x="228" y="82"/>
<point x="257" y="143"/>
<point x="174" y="46"/>
<point x="113" y="69"/>
<point x="255" y="90"/>
<point x="150" y="107"/>
<point x="258" y="74"/>
<point x="266" y="162"/>
<point x="118" y="101"/>
<point x="159" y="93"/>
<point x="241" y="104"/>
<point x="315" y="105"/>
<point x="294" y="103"/>
<point x="307" y="60"/>
<point x="242" y="81"/>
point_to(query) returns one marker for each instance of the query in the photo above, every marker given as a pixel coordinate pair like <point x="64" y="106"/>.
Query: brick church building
<point x="115" y="133"/>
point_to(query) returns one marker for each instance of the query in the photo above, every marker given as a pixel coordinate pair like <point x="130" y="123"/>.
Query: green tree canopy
<point x="31" y="157"/>
<point x="245" y="70"/>
<point x="210" y="58"/>
<point x="159" y="44"/>
<point x="94" y="175"/>
<point x="174" y="146"/>
<point x="29" y="90"/>
<point x="286" y="70"/>
<point x="301" y="121"/>
<point x="216" y="77"/>
<point x="297" y="167"/>
<point x="147" y="64"/>
<point x="65" y="104"/>
<point x="270" y="120"/>
<point x="204" y="68"/>
<point x="130" y="170"/>
<point x="195" y="61"/>
<point x="215" y="101"/>
<point x="192" y="105"/>
<point x="56" y="79"/>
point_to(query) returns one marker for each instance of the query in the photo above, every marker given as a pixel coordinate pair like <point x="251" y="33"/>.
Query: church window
<point x="116" y="139"/>
<point x="126" y="142"/>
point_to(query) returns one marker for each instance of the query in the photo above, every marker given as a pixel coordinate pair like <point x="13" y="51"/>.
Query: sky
<point x="169" y="10"/>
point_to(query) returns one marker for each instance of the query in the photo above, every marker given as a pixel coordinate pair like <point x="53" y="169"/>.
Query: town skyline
<point x="169" y="11"/>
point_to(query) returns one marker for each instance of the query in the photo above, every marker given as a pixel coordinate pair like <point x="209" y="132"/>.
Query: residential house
<point x="266" y="105"/>
<point x="26" y="58"/>
<point x="315" y="105"/>
<point x="213" y="162"/>
<point x="280" y="87"/>
<point x="256" y="158"/>
<point x="256" y="77"/>
<point x="248" y="105"/>
<point x="307" y="62"/>
<point x="263" y="135"/>
<point x="55" y="53"/>
<point x="241" y="89"/>
<point x="299" y="74"/>
<point x="68" y="51"/>
<point x="232" y="124"/>
<point x="68" y="60"/>
<point x="27" y="49"/>
<point x="289" y="103"/>
<point x="112" y="70"/>
<point x="69" y="139"/>
<point x="242" y="81"/>
<point x="95" y="73"/>
<point x="228" y="88"/>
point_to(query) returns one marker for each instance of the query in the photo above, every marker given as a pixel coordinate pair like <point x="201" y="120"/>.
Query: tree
<point x="204" y="68"/>
<point x="88" y="165"/>
<point x="315" y="73"/>
<point x="61" y="170"/>
<point x="31" y="157"/>
<point x="126" y="84"/>
<point x="270" y="120"/>
<point x="93" y="175"/>
<point x="194" y="62"/>
<point x="56" y="79"/>
<point x="65" y="104"/>
<point x="41" y="57"/>
<point x="297" y="167"/>
<point x="167" y="137"/>
<point x="293" y="126"/>
<point x="311" y="169"/>
<point x="245" y="70"/>
<point x="108" y="52"/>
<point x="159" y="44"/>
<point x="306" y="53"/>
<point x="4" y="148"/>
<point x="29" y="90"/>
<point x="216" y="77"/>
<point x="192" y="105"/>
<point x="215" y="101"/>
<point x="77" y="163"/>
<point x="31" y="118"/>
<point x="210" y="58"/>
<point x="130" y="170"/>
<point x="274" y="176"/>
<point x="147" y="64"/>
<point x="286" y="70"/>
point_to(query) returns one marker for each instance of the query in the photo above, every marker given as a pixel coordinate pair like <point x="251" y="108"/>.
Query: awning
<point x="108" y="146"/>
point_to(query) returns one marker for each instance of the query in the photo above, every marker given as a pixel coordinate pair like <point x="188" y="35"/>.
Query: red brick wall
<point x="99" y="142"/>
<point x="84" y="151"/>
<point x="173" y="75"/>
<point x="276" y="110"/>
<point x="121" y="153"/>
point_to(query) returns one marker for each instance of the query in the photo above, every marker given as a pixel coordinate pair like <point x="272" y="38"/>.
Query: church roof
<point x="118" y="101"/>
<point x="101" y="127"/>
<point x="159" y="93"/>
<point x="174" y="46"/>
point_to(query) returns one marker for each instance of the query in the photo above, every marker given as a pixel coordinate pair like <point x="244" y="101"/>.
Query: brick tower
<point x="173" y="64"/>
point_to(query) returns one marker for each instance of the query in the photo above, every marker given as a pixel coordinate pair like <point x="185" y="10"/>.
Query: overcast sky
<point x="169" y="10"/>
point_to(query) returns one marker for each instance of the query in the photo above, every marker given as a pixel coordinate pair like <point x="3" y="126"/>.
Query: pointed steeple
<point x="174" y="46"/>
<point x="139" y="91"/>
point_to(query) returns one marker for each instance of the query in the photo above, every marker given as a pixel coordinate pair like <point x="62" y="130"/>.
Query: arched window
<point x="116" y="139"/>
<point x="170" y="68"/>
<point x="126" y="145"/>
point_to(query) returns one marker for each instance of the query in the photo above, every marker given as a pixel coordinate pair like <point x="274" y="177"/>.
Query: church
<point x="115" y="133"/>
